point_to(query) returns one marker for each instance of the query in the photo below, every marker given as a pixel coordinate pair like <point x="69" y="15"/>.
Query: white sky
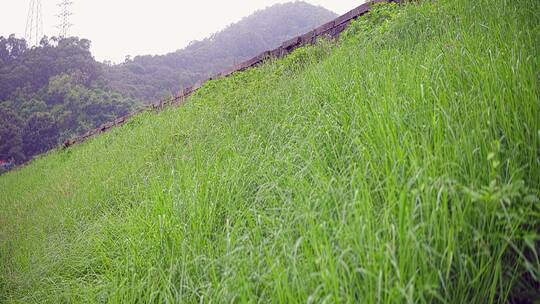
<point x="138" y="27"/>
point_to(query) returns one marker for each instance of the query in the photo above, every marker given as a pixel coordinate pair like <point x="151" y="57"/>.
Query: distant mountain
<point x="151" y="77"/>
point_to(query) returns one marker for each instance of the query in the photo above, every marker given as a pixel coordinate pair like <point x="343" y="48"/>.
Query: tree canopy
<point x="50" y="93"/>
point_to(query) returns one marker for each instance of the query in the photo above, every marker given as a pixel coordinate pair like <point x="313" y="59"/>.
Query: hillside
<point x="151" y="77"/>
<point x="51" y="93"/>
<point x="57" y="91"/>
<point x="401" y="164"/>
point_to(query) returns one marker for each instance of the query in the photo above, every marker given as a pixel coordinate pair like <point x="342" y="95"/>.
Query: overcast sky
<point x="138" y="27"/>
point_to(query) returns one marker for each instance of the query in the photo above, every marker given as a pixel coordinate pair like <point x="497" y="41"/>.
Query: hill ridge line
<point x="331" y="30"/>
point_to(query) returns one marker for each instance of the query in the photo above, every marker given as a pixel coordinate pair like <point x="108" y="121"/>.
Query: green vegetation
<point x="51" y="93"/>
<point x="147" y="77"/>
<point x="57" y="91"/>
<point x="401" y="165"/>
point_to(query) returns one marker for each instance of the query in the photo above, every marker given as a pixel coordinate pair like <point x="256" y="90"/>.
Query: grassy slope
<point x="402" y="165"/>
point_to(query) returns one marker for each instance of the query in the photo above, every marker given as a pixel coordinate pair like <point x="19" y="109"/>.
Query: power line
<point x="34" y="23"/>
<point x="64" y="15"/>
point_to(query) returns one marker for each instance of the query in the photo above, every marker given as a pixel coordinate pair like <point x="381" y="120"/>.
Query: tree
<point x="10" y="136"/>
<point x="16" y="46"/>
<point x="4" y="51"/>
<point x="40" y="134"/>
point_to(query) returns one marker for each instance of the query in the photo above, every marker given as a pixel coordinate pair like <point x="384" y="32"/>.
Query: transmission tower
<point x="34" y="23"/>
<point x="64" y="15"/>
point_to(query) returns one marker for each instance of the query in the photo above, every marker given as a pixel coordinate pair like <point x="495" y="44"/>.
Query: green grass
<point x="401" y="165"/>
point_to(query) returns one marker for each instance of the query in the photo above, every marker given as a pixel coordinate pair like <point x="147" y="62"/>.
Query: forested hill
<point x="151" y="77"/>
<point x="50" y="93"/>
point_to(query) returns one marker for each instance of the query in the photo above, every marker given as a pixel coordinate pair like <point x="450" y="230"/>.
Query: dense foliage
<point x="57" y="90"/>
<point x="401" y="165"/>
<point x="151" y="77"/>
<point x="50" y="93"/>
